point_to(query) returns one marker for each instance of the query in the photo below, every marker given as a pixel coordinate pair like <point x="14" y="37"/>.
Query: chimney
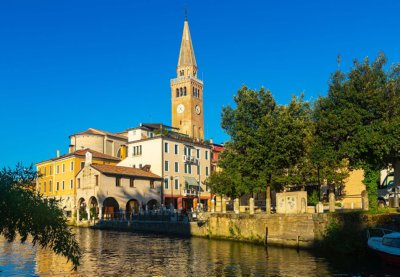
<point x="211" y="140"/>
<point x="58" y="153"/>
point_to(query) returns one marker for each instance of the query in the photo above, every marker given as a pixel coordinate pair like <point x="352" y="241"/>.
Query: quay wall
<point x="296" y="230"/>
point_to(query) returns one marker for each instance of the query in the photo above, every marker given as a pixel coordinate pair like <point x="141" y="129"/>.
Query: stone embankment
<point x="296" y="230"/>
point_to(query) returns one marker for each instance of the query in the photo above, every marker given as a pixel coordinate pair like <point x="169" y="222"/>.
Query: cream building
<point x="107" y="191"/>
<point x="113" y="144"/>
<point x="182" y="162"/>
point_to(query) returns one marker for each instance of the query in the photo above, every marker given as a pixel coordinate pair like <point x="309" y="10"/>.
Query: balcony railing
<point x="190" y="192"/>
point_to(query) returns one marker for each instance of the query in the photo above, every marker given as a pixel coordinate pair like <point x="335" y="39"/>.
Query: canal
<point x="118" y="253"/>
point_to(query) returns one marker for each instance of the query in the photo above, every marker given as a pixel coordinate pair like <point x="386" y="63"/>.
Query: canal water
<point x="108" y="253"/>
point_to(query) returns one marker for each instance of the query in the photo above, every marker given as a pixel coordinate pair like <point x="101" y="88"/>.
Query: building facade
<point x="57" y="176"/>
<point x="107" y="191"/>
<point x="187" y="91"/>
<point x="182" y="162"/>
<point x="101" y="141"/>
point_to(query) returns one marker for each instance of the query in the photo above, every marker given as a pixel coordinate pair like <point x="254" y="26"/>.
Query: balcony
<point x="190" y="192"/>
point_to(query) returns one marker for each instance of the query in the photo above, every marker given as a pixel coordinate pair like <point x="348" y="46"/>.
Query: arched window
<point x="193" y="90"/>
<point x="184" y="91"/>
<point x="181" y="92"/>
<point x="177" y="92"/>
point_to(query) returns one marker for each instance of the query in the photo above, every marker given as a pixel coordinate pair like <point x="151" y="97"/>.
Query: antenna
<point x="186" y="10"/>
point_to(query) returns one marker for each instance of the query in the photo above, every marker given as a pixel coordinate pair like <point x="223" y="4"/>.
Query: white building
<point x="184" y="163"/>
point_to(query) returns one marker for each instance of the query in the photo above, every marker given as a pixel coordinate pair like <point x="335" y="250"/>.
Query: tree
<point x="359" y="119"/>
<point x="268" y="141"/>
<point x="25" y="213"/>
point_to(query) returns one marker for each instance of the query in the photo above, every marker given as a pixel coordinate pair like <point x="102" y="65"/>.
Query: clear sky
<point x="66" y="66"/>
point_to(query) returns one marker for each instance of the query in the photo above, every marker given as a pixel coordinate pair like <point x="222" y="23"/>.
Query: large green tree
<point x="268" y="142"/>
<point x="359" y="119"/>
<point x="25" y="213"/>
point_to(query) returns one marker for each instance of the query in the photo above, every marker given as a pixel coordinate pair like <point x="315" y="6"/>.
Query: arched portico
<point x="110" y="208"/>
<point x="81" y="211"/>
<point x="152" y="204"/>
<point x="93" y="208"/>
<point x="132" y="207"/>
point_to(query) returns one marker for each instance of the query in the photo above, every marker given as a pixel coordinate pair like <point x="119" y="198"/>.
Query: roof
<point x="82" y="153"/>
<point x="93" y="131"/>
<point x="126" y="171"/>
<point x="186" y="53"/>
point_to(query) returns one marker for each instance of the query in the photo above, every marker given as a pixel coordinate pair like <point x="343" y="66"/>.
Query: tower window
<point x="177" y="92"/>
<point x="181" y="92"/>
<point x="184" y="91"/>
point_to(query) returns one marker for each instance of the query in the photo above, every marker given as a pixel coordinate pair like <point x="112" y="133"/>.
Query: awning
<point x="191" y="181"/>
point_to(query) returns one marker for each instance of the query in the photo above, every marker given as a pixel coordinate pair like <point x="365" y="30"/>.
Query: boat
<point x="385" y="243"/>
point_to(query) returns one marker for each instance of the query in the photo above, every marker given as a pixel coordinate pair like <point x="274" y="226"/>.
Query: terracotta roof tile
<point x="93" y="131"/>
<point x="95" y="154"/>
<point x="126" y="171"/>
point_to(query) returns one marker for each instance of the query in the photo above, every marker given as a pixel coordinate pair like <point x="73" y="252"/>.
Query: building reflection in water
<point x="115" y="253"/>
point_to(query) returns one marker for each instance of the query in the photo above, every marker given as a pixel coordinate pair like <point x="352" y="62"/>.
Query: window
<point x="206" y="155"/>
<point x="188" y="168"/>
<point x="132" y="182"/>
<point x="176" y="149"/>
<point x="176" y="167"/>
<point x="44" y="187"/>
<point x="44" y="171"/>
<point x="166" y="182"/>
<point x="71" y="184"/>
<point x="117" y="181"/>
<point x="184" y="91"/>
<point x="176" y="183"/>
<point x="72" y="166"/>
<point x="96" y="180"/>
<point x="82" y="165"/>
<point x="50" y="186"/>
<point x="185" y="151"/>
<point x="198" y="153"/>
<point x="57" y="186"/>
<point x="137" y="150"/>
<point x="177" y="92"/>
<point x="57" y="169"/>
<point x="152" y="184"/>
<point x="166" y="150"/>
<point x="63" y="168"/>
<point x="79" y="183"/>
<point x="206" y="170"/>
<point x="189" y="152"/>
<point x="51" y="170"/>
<point x="63" y="183"/>
<point x="166" y="166"/>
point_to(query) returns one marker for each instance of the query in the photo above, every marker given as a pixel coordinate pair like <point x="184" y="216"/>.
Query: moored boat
<point x="386" y="244"/>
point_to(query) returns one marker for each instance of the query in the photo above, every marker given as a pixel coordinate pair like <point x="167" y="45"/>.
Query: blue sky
<point x="66" y="66"/>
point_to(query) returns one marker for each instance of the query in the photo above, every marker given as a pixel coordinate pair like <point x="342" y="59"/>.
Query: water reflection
<point x="114" y="253"/>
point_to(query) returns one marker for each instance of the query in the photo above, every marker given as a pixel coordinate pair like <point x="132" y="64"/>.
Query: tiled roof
<point x="126" y="171"/>
<point x="93" y="131"/>
<point x="95" y="154"/>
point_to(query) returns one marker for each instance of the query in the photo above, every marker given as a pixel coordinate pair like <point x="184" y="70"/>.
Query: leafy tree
<point x="359" y="119"/>
<point x="26" y="213"/>
<point x="268" y="141"/>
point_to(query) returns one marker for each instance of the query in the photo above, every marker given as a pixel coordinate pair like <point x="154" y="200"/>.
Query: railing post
<point x="251" y="204"/>
<point x="236" y="206"/>
<point x="332" y="207"/>
<point x="364" y="200"/>
<point x="223" y="204"/>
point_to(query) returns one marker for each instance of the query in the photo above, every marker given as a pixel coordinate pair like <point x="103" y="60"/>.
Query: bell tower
<point x="187" y="91"/>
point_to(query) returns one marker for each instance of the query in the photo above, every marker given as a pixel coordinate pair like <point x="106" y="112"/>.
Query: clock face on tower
<point x="197" y="109"/>
<point x="180" y="108"/>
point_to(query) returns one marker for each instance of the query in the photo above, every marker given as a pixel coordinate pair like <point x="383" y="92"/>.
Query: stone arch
<point x="152" y="204"/>
<point x="110" y="208"/>
<point x="93" y="208"/>
<point x="82" y="212"/>
<point x="132" y="207"/>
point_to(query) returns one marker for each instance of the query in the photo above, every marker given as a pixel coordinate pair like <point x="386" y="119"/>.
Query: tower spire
<point x="186" y="53"/>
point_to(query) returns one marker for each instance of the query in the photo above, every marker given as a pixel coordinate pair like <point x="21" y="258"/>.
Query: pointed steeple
<point x="187" y="58"/>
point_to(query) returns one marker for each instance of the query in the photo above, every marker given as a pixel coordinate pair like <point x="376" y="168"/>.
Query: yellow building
<point x="57" y="176"/>
<point x="187" y="91"/>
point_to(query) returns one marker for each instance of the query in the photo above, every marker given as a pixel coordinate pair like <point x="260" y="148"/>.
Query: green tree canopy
<point x="25" y="213"/>
<point x="359" y="119"/>
<point x="268" y="141"/>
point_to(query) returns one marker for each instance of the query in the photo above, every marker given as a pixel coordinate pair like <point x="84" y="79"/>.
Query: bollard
<point x="320" y="208"/>
<point x="223" y="205"/>
<point x="332" y="207"/>
<point x="251" y="203"/>
<point x="364" y="200"/>
<point x="212" y="205"/>
<point x="236" y="207"/>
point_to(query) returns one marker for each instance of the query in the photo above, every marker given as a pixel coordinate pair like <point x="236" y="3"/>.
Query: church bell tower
<point x="187" y="91"/>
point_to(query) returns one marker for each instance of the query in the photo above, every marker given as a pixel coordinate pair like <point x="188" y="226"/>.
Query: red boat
<point x="386" y="244"/>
